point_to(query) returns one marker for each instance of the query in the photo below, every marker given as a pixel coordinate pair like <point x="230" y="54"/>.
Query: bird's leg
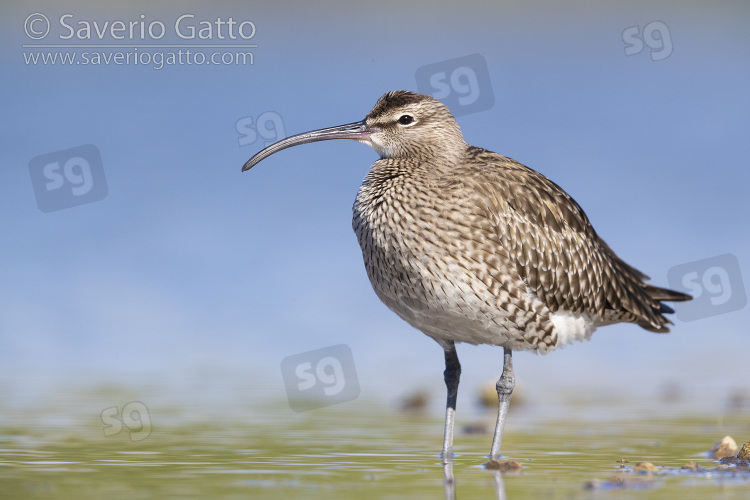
<point x="452" y="373"/>
<point x="505" y="386"/>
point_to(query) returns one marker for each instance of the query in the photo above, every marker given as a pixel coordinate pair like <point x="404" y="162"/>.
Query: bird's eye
<point x="406" y="119"/>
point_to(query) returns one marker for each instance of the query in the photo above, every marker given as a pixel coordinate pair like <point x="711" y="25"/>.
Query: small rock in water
<point x="645" y="468"/>
<point x="415" y="402"/>
<point x="693" y="466"/>
<point x="488" y="396"/>
<point x="504" y="466"/>
<point x="742" y="459"/>
<point x="727" y="447"/>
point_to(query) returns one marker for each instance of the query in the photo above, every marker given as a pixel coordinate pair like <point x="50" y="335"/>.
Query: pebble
<point x="727" y="447"/>
<point x="504" y="466"/>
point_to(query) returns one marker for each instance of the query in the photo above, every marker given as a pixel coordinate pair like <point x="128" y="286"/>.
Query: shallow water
<point x="356" y="450"/>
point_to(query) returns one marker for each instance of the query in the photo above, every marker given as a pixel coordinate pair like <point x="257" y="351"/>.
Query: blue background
<point x="196" y="277"/>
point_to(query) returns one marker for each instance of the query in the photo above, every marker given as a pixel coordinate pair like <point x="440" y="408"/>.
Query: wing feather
<point x="555" y="249"/>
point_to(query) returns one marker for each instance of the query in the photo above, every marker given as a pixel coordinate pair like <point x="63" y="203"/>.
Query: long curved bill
<point x="359" y="131"/>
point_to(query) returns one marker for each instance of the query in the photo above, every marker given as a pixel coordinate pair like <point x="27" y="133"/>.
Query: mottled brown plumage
<point x="471" y="246"/>
<point x="436" y="215"/>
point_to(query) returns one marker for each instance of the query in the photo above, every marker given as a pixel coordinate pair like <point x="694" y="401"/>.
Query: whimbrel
<point x="470" y="246"/>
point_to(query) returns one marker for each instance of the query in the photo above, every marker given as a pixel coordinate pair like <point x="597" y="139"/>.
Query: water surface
<point x="361" y="450"/>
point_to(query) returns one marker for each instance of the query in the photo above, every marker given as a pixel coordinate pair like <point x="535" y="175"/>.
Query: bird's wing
<point x="555" y="250"/>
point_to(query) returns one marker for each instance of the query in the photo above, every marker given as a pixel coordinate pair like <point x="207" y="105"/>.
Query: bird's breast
<point x="394" y="219"/>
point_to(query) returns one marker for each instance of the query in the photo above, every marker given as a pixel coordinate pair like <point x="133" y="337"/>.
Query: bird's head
<point x="402" y="124"/>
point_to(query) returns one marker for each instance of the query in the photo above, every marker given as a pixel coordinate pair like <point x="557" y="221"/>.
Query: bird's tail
<point x="666" y="294"/>
<point x="663" y="294"/>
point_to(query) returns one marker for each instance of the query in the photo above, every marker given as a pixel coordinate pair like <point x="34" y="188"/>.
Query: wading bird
<point x="470" y="246"/>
